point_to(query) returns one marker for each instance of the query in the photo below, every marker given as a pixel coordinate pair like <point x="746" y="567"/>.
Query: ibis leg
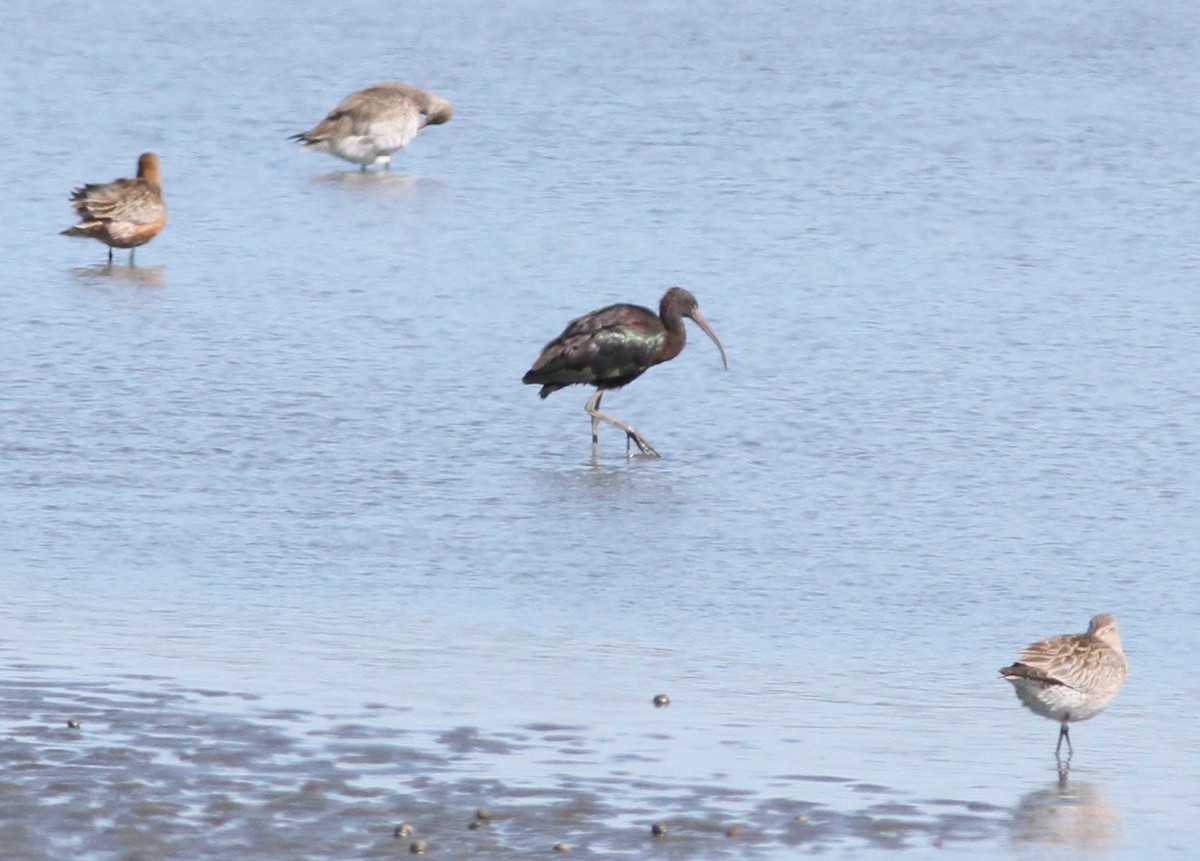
<point x="593" y="410"/>
<point x="110" y="255"/>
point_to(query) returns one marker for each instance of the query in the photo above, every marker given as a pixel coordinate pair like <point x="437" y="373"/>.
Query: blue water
<point x="950" y="249"/>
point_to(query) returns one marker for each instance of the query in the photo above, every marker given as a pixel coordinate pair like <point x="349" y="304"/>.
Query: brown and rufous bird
<point x="124" y="213"/>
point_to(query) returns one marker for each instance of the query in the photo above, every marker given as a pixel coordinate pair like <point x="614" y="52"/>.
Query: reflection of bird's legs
<point x="1064" y="734"/>
<point x="593" y="410"/>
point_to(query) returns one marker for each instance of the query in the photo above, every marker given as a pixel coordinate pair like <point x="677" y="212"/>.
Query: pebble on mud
<point x="73" y="723"/>
<point x="661" y="701"/>
<point x="483" y="813"/>
<point x="733" y="831"/>
<point x="404" y="829"/>
<point x="658" y="829"/>
<point x="417" y="847"/>
<point x="476" y="824"/>
<point x="562" y="847"/>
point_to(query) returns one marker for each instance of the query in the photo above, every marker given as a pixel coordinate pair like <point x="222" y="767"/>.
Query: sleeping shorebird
<point x="1072" y="677"/>
<point x="371" y="124"/>
<point x="124" y="213"/>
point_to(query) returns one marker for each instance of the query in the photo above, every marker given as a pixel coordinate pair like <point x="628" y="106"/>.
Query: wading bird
<point x="1072" y="677"/>
<point x="369" y="125"/>
<point x="612" y="347"/>
<point x="124" y="213"/>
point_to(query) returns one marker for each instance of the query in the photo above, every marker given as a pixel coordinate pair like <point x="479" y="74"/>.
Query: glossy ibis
<point x="124" y="213"/>
<point x="369" y="125"/>
<point x="1072" y="677"/>
<point x="612" y="347"/>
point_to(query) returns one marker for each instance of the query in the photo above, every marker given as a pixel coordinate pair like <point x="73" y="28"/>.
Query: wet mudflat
<point x="139" y="769"/>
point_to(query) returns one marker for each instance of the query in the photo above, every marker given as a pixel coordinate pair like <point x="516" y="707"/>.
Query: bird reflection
<point x="151" y="276"/>
<point x="1074" y="814"/>
<point x="392" y="184"/>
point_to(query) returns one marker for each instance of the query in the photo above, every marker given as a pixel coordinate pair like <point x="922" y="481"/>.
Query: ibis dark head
<point x="678" y="303"/>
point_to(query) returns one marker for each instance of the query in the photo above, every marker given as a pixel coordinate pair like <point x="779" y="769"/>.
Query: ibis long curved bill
<point x="708" y="330"/>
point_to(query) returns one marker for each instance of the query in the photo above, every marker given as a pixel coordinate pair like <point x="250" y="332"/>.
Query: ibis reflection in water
<point x="612" y="347"/>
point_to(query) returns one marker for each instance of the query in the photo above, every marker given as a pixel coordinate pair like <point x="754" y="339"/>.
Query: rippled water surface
<point x="285" y="534"/>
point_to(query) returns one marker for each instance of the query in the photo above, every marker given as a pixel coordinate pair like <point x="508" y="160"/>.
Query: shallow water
<point x="287" y="457"/>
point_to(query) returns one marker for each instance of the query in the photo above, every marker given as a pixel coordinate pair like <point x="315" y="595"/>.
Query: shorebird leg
<point x="1064" y="734"/>
<point x="593" y="410"/>
<point x="110" y="255"/>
